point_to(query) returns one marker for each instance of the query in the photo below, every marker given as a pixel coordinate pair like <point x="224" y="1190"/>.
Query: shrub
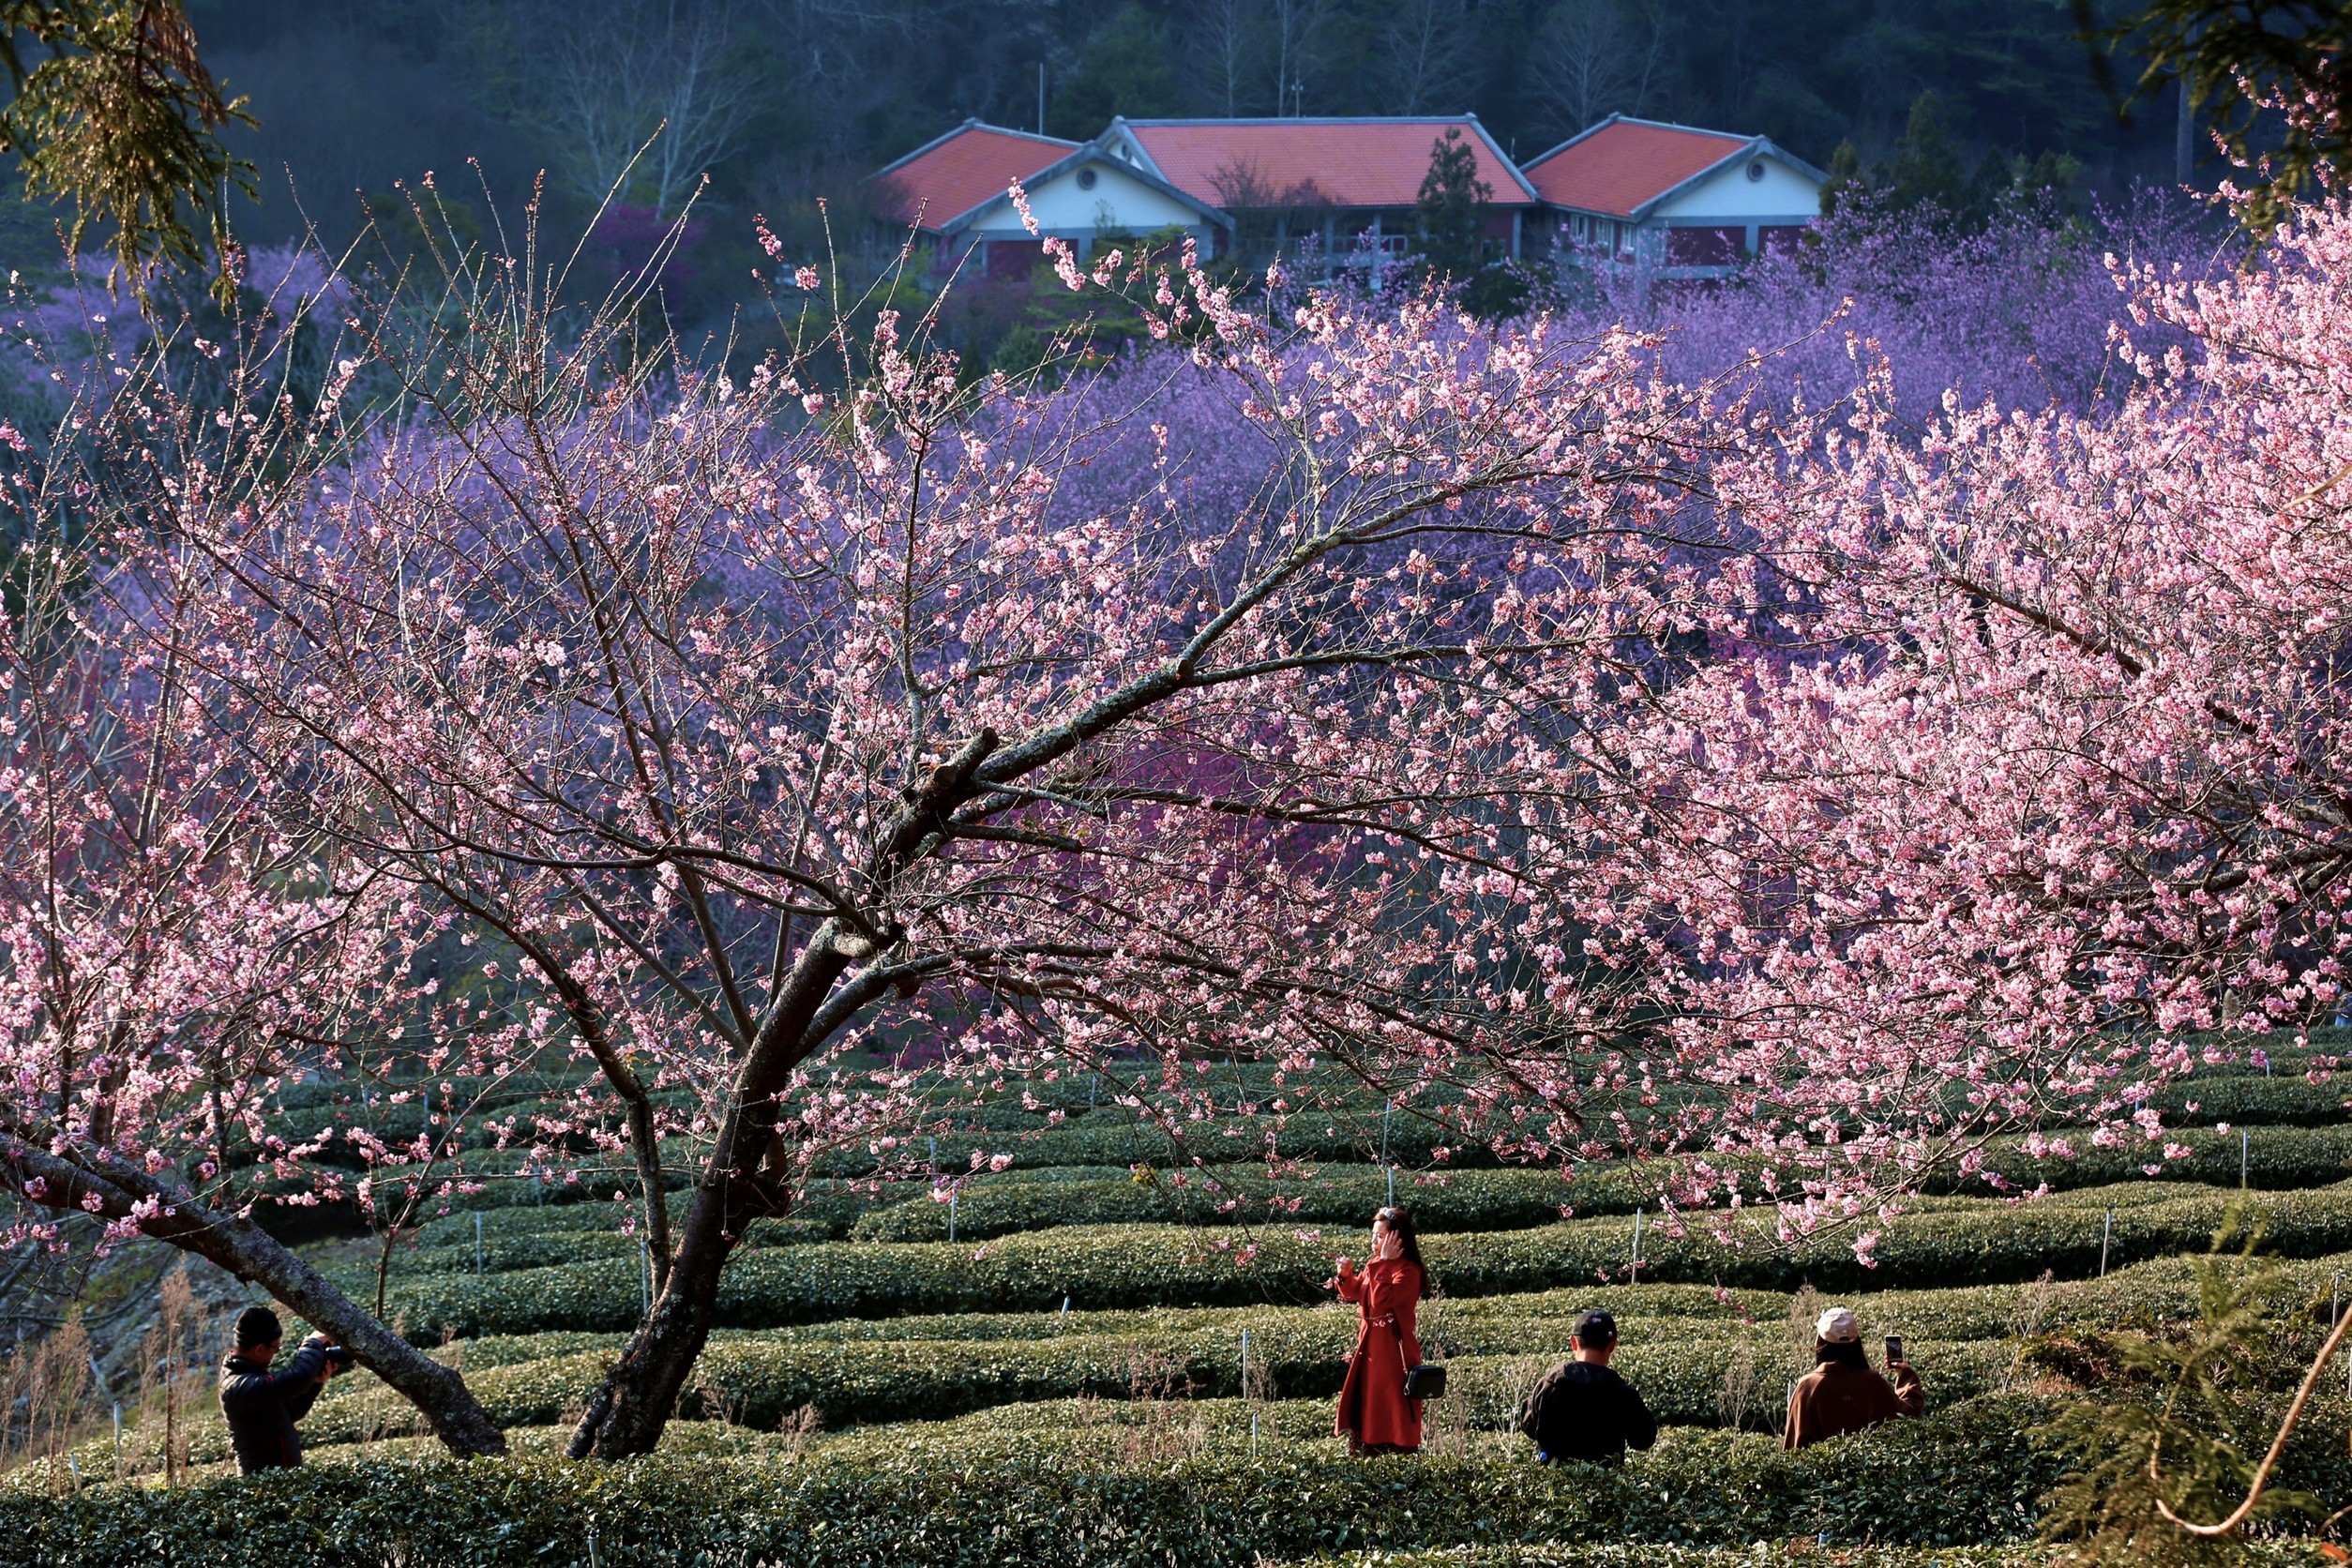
<point x="2278" y="1157"/>
<point x="1463" y="1201"/>
<point x="1049" y="1499"/>
<point x="2160" y="1292"/>
<point x="2254" y="1098"/>
<point x="1112" y="1267"/>
<point x="762" y="1383"/>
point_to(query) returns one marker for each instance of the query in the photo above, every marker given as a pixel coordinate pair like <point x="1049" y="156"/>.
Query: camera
<point x="339" y="1356"/>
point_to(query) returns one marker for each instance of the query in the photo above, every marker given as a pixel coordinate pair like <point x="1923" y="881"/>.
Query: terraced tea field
<point x="1111" y="1363"/>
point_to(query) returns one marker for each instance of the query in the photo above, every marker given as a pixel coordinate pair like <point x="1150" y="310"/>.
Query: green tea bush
<point x="1118" y="1138"/>
<point x="762" y="1383"/>
<point x="2254" y="1098"/>
<point x="1136" y="1266"/>
<point x="1341" y="1194"/>
<point x="2146" y="1295"/>
<point x="2277" y="1157"/>
<point x="1074" y="1498"/>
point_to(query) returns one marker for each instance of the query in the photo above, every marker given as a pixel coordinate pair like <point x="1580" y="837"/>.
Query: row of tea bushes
<point x="1693" y="1373"/>
<point x="967" y="1495"/>
<point x="2143" y="1295"/>
<point x="2252" y="1098"/>
<point x="2274" y="1158"/>
<point x="1139" y="1266"/>
<point x="1709" y="1382"/>
<point x="1099" y="1486"/>
<point x="1339" y="1194"/>
<point x="1037" y="1197"/>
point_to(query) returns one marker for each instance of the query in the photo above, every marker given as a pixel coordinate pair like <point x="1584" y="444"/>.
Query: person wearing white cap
<point x="1842" y="1394"/>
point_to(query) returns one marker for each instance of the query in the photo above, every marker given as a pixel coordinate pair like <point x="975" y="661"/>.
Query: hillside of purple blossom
<point x="2018" y="312"/>
<point x="2024" y="312"/>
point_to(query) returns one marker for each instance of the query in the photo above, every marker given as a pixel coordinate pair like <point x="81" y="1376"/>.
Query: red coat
<point x="1373" y="1409"/>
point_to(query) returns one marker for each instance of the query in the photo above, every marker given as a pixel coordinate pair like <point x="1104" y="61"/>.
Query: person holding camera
<point x="1843" y="1394"/>
<point x="1581" y="1410"/>
<point x="261" y="1406"/>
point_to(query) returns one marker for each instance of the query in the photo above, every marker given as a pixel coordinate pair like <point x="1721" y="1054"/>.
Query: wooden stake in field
<point x="1637" y="1278"/>
<point x="2107" y="1232"/>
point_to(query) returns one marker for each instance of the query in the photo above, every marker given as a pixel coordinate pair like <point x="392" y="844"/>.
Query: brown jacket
<point x="1833" y="1399"/>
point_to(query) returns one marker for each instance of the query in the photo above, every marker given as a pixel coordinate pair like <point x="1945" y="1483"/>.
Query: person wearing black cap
<point x="1580" y="1409"/>
<point x="261" y="1406"/>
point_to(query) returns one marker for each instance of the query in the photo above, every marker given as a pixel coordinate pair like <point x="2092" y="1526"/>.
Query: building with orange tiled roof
<point x="954" y="191"/>
<point x="1682" y="201"/>
<point x="1678" y="200"/>
<point x="1344" y="183"/>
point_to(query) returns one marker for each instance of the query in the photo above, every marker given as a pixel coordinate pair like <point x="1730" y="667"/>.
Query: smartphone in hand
<point x="1894" y="1347"/>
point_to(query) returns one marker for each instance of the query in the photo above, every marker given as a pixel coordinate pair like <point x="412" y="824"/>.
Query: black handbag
<point x="1425" y="1382"/>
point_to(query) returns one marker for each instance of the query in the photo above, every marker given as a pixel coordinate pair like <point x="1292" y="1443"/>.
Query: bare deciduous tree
<point x="1298" y="28"/>
<point x="1425" y="50"/>
<point x="1227" y="54"/>
<point x="838" y="56"/>
<point x="617" y="75"/>
<point x="1595" y="57"/>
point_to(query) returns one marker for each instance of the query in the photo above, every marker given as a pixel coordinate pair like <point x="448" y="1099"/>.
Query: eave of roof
<point x="1758" y="146"/>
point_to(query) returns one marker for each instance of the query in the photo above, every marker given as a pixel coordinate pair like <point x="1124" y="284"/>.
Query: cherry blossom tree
<point x="170" y="955"/>
<point x="2022" y="756"/>
<point x="761" y="723"/>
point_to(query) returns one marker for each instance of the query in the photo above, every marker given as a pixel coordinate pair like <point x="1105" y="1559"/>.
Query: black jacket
<point x="261" y="1406"/>
<point x="1581" y="1411"/>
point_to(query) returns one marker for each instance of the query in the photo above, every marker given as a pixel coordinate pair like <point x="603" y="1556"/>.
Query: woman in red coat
<point x="1374" y="1414"/>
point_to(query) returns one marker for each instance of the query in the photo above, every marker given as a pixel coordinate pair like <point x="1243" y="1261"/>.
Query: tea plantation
<point x="1116" y="1360"/>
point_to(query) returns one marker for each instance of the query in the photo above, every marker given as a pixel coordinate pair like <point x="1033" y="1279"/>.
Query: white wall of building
<point x="1729" y="196"/>
<point x="1064" y="206"/>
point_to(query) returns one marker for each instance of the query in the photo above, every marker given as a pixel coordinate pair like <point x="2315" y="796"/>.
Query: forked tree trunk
<point x="627" y="1414"/>
<point x="743" y="1181"/>
<point x="740" y="1182"/>
<point x="251" y="1253"/>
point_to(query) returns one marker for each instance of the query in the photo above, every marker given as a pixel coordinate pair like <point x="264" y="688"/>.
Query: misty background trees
<point x="782" y="101"/>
